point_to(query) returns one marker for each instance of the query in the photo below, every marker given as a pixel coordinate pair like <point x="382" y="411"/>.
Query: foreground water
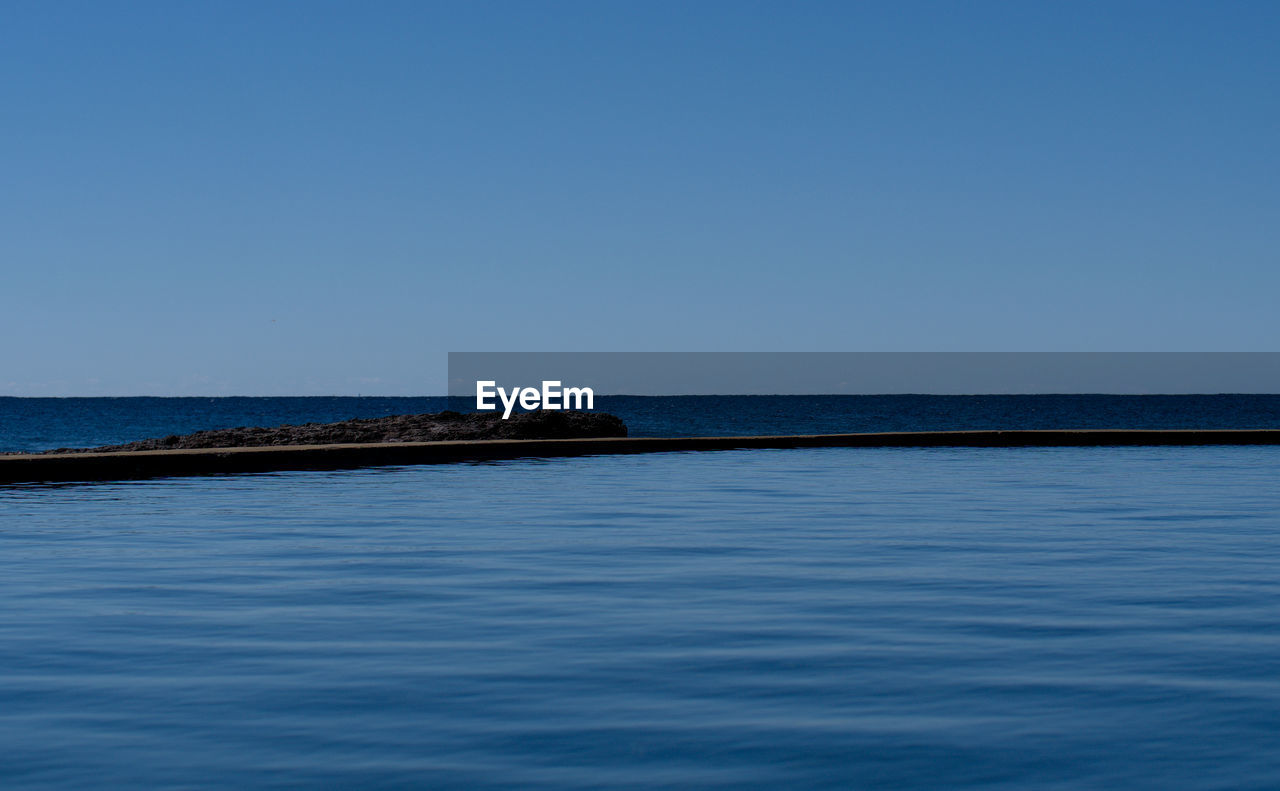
<point x="835" y="618"/>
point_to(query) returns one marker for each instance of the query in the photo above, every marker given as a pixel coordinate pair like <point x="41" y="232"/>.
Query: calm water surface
<point x="834" y="618"/>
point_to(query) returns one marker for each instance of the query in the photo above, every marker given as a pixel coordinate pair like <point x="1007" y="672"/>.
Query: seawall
<point x="36" y="468"/>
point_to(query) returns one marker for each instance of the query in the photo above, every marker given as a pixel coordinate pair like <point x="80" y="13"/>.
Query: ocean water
<point x="35" y="424"/>
<point x="1047" y="618"/>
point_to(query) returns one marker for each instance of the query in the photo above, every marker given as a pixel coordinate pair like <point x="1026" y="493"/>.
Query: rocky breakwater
<point x="396" y="428"/>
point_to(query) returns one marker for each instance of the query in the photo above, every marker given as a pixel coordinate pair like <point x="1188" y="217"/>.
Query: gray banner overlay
<point x="836" y="373"/>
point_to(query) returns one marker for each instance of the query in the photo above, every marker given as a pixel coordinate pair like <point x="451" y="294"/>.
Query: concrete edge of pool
<point x="67" y="467"/>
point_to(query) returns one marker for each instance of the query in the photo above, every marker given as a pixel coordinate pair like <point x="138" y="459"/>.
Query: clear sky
<point x="267" y="198"/>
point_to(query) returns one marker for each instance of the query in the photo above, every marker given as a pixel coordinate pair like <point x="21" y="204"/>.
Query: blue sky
<point x="325" y="198"/>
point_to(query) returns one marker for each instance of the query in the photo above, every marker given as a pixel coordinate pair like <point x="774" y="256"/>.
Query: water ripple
<point x="833" y="618"/>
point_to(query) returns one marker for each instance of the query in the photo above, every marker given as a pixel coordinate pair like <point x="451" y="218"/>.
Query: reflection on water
<point x="835" y="618"/>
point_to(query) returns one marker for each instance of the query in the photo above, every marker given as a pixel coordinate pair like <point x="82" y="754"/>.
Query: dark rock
<point x="397" y="428"/>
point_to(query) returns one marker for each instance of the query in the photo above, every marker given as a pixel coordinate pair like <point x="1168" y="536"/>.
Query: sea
<point x="37" y="424"/>
<point x="833" y="618"/>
